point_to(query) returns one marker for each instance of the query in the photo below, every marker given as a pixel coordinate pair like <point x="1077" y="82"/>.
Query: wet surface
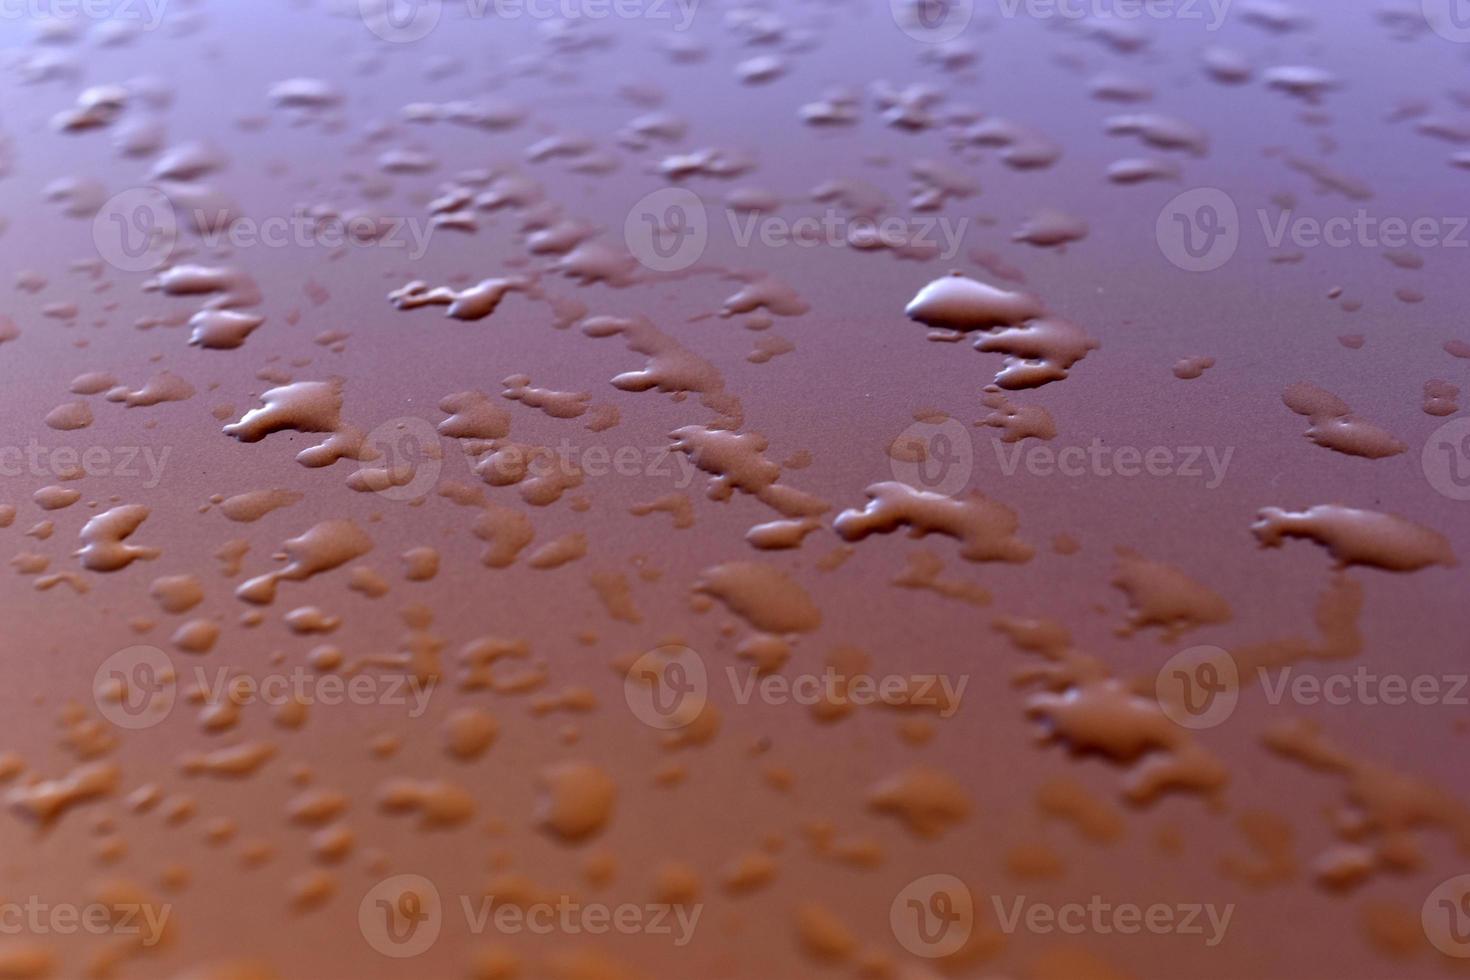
<point x="654" y="489"/>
